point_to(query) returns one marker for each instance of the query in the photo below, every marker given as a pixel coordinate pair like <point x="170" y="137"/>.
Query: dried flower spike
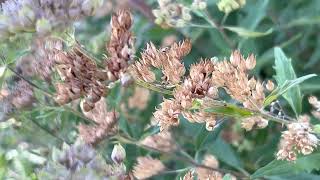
<point x="121" y="45"/>
<point x="81" y="77"/>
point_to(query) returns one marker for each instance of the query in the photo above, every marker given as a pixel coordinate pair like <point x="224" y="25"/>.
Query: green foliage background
<point x="291" y="25"/>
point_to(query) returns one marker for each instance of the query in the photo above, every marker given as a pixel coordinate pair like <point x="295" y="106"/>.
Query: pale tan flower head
<point x="147" y="167"/>
<point x="251" y="122"/>
<point x="107" y="123"/>
<point x="168" y="114"/>
<point x="188" y="176"/>
<point x="167" y="59"/>
<point x="234" y="78"/>
<point x="206" y="174"/>
<point x="270" y="85"/>
<point x="139" y="99"/>
<point x="297" y="139"/>
<point x="162" y="141"/>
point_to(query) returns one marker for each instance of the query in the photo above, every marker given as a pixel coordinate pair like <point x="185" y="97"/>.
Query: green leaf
<point x="227" y="177"/>
<point x="228" y="110"/>
<point x="248" y="33"/>
<point x="150" y="131"/>
<point x="302" y="164"/>
<point x="224" y="152"/>
<point x="285" y="87"/>
<point x="284" y="73"/>
<point x="204" y="135"/>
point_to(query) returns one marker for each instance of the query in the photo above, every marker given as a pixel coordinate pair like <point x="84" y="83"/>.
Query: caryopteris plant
<point x="77" y="105"/>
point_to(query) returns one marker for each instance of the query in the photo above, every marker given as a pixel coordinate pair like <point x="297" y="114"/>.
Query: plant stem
<point x="188" y="159"/>
<point x="49" y="131"/>
<point x="153" y="87"/>
<point x="173" y="171"/>
<point x="214" y="24"/>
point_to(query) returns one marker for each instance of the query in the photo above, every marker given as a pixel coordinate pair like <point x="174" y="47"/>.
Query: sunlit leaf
<point x="302" y="164"/>
<point x="289" y="89"/>
<point x="286" y="86"/>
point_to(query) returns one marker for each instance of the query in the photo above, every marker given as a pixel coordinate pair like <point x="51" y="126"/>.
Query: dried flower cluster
<point x="81" y="162"/>
<point x="106" y="123"/>
<point x="17" y="95"/>
<point x="81" y="77"/>
<point x="120" y="47"/>
<point x="42" y="16"/>
<point x="203" y="173"/>
<point x="297" y="139"/>
<point x="167" y="59"/>
<point x="203" y="82"/>
<point x="147" y="167"/>
<point x="199" y="4"/>
<point x="43" y="53"/>
<point x="162" y="141"/>
<point x="227" y="6"/>
<point x="139" y="99"/>
<point x="171" y="13"/>
<point x="233" y="77"/>
<point x="316" y="106"/>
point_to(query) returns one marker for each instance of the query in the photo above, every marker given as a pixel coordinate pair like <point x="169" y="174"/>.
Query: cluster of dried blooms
<point x="120" y="47"/>
<point x="139" y="99"/>
<point x="80" y="74"/>
<point x="171" y="13"/>
<point x="162" y="141"/>
<point x="83" y="162"/>
<point x="233" y="77"/>
<point x="42" y="16"/>
<point x="147" y="167"/>
<point x="15" y="95"/>
<point x="81" y="77"/>
<point x="227" y="6"/>
<point x="18" y="93"/>
<point x="203" y="82"/>
<point x="106" y="123"/>
<point x="297" y="139"/>
<point x="169" y="60"/>
<point x="204" y="173"/>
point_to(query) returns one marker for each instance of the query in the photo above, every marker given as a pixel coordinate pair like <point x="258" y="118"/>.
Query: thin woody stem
<point x="184" y="158"/>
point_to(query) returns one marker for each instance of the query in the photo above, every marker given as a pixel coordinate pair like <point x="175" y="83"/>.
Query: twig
<point x="184" y="158"/>
<point x="49" y="131"/>
<point x="214" y="24"/>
